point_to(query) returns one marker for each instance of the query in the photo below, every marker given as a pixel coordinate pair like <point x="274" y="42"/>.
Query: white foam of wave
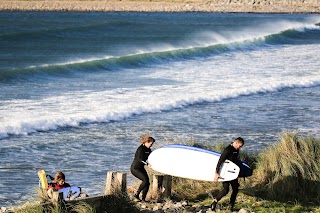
<point x="211" y="79"/>
<point x="252" y="33"/>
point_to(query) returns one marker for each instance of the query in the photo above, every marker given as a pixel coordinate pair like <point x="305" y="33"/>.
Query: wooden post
<point x="116" y="182"/>
<point x="57" y="197"/>
<point x="57" y="200"/>
<point x="110" y="177"/>
<point x="162" y="185"/>
<point x="122" y="179"/>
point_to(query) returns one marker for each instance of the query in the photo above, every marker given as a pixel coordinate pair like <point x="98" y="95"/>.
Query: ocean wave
<point x="74" y="111"/>
<point x="301" y="35"/>
<point x="210" y="43"/>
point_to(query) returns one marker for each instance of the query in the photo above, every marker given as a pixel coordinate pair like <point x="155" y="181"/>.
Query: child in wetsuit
<point x="58" y="183"/>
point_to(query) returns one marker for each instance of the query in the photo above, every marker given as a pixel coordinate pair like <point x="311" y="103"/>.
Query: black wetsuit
<point x="230" y="153"/>
<point x="138" y="170"/>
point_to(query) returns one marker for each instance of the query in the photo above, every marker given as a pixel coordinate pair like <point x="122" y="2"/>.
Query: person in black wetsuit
<point x="137" y="166"/>
<point x="231" y="153"/>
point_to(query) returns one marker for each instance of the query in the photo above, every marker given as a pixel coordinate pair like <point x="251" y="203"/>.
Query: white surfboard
<point x="71" y="192"/>
<point x="191" y="162"/>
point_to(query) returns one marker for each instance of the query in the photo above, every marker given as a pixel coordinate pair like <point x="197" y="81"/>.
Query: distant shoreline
<point x="224" y="6"/>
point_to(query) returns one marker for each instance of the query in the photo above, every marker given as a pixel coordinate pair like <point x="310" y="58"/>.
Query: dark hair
<point x="240" y="139"/>
<point x="59" y="176"/>
<point x="146" y="138"/>
<point x="151" y="139"/>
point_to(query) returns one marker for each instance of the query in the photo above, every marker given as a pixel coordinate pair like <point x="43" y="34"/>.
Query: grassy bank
<point x="290" y="170"/>
<point x="286" y="178"/>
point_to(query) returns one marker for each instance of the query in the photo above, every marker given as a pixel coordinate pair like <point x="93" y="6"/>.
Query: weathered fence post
<point x="116" y="182"/>
<point x="57" y="197"/>
<point x="57" y="200"/>
<point x="162" y="185"/>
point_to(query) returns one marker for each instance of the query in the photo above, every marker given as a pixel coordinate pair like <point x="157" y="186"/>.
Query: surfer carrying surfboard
<point x="137" y="166"/>
<point x="231" y="153"/>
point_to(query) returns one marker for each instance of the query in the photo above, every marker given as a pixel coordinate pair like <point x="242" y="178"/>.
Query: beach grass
<point x="117" y="202"/>
<point x="290" y="170"/>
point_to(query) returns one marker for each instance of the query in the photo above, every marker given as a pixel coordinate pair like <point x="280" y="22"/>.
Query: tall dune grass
<point x="290" y="170"/>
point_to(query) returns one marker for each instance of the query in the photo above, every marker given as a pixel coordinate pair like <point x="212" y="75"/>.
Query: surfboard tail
<point x="245" y="170"/>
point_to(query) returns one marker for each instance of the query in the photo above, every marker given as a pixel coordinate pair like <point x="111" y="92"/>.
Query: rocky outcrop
<point x="235" y="6"/>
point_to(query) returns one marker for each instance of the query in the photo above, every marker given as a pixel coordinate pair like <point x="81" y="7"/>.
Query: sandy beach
<point x="225" y="6"/>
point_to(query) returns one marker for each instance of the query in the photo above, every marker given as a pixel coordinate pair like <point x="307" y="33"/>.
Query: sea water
<point x="78" y="89"/>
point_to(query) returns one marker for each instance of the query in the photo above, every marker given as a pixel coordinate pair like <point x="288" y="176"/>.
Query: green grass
<point x="119" y="203"/>
<point x="290" y="170"/>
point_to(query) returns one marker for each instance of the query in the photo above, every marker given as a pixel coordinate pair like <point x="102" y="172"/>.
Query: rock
<point x="155" y="208"/>
<point x="184" y="203"/>
<point x="143" y="206"/>
<point x="178" y="205"/>
<point x="243" y="211"/>
<point x="256" y="204"/>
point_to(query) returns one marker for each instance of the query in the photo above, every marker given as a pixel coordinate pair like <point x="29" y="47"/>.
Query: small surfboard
<point x="43" y="179"/>
<point x="191" y="162"/>
<point x="70" y="192"/>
